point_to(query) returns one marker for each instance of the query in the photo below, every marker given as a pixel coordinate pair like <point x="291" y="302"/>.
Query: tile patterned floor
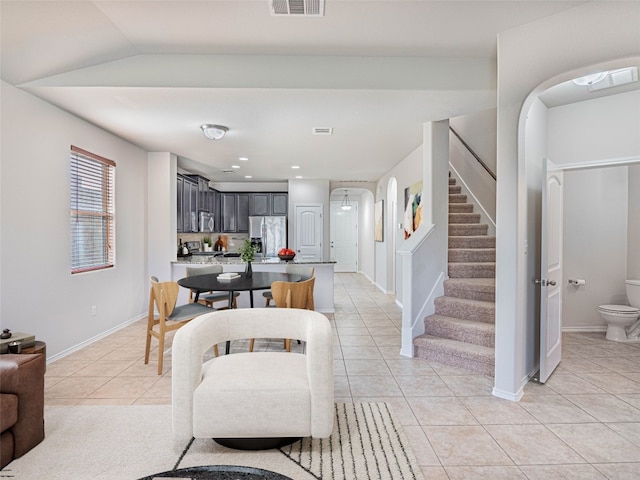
<point x="584" y="423"/>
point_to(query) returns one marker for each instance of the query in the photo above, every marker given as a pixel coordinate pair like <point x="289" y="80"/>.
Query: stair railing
<point x="466" y="145"/>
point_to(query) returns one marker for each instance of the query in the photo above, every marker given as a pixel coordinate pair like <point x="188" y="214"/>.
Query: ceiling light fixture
<point x="214" y="132"/>
<point x="235" y="166"/>
<point x="590" y="79"/>
<point x="346" y="205"/>
<point x="295" y="166"/>
<point x="243" y="159"/>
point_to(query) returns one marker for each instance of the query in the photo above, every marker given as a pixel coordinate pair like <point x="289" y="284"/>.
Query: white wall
<point x="478" y="130"/>
<point x="531" y="58"/>
<point x="633" y="239"/>
<point x="407" y="172"/>
<point x="603" y="128"/>
<point x="594" y="244"/>
<point x="38" y="294"/>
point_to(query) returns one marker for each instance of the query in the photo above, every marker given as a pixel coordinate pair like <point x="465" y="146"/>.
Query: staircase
<point x="461" y="332"/>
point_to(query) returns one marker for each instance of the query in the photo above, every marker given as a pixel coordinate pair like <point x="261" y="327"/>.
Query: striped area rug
<point x="367" y="443"/>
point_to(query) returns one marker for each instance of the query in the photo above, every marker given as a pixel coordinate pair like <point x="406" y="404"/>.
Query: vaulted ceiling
<point x="374" y="71"/>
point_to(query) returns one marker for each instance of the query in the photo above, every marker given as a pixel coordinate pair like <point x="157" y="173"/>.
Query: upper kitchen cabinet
<point x="259" y="204"/>
<point x="189" y="216"/>
<point x="279" y="203"/>
<point x="266" y="204"/>
<point x="235" y="212"/>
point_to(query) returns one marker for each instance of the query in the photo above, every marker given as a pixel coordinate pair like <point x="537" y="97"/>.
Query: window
<point x="92" y="209"/>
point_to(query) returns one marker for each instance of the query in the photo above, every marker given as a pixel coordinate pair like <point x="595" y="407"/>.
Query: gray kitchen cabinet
<point x="179" y="194"/>
<point x="279" y="203"/>
<point x="228" y="207"/>
<point x="243" y="213"/>
<point x="259" y="204"/>
<point x="189" y="205"/>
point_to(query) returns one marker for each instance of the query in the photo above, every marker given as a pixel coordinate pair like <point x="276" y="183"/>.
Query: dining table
<point x="212" y="282"/>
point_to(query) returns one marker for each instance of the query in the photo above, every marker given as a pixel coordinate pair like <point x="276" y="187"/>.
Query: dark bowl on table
<point x="286" y="257"/>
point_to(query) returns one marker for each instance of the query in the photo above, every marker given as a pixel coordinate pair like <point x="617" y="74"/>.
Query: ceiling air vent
<point x="322" y="131"/>
<point x="307" y="8"/>
<point x="228" y="171"/>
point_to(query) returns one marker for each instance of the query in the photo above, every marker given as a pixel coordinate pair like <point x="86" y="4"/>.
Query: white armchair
<point x="259" y="396"/>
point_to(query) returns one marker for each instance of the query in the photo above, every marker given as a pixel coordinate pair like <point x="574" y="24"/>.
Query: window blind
<point x="92" y="209"/>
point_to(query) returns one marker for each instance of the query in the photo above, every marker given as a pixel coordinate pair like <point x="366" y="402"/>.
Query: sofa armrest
<point x="23" y="376"/>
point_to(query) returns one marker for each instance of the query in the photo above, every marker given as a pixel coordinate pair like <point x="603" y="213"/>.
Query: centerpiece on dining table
<point x="247" y="253"/>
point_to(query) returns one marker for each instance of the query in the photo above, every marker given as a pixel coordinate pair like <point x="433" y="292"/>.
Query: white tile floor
<point x="584" y="423"/>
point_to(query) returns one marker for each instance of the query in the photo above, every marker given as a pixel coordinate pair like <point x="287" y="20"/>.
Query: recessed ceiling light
<point x="248" y="176"/>
<point x="243" y="159"/>
<point x="235" y="166"/>
<point x="295" y="166"/>
<point x="298" y="176"/>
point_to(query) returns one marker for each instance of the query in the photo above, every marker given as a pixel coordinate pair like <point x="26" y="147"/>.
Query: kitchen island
<point x="322" y="292"/>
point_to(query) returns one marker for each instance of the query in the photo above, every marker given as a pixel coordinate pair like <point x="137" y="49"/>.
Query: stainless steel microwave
<point x="206" y="223"/>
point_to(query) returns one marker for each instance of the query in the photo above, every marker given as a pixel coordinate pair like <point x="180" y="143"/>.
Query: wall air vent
<point x="322" y="131"/>
<point x="307" y="8"/>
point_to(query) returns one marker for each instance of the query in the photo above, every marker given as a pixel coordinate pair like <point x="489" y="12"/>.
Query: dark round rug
<point x="219" y="472"/>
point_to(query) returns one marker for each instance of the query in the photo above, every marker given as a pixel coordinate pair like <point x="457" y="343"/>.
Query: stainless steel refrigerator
<point x="271" y="232"/>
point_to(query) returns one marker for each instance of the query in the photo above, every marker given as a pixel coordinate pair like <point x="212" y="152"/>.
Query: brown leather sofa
<point x="21" y="404"/>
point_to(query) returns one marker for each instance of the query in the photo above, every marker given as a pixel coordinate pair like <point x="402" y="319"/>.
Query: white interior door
<point x="551" y="271"/>
<point x="309" y="232"/>
<point x="344" y="237"/>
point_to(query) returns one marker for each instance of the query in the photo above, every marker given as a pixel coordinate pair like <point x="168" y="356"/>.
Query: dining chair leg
<point x="251" y="342"/>
<point x="215" y="350"/>
<point x="268" y="301"/>
<point x="287" y="344"/>
<point x="160" y="351"/>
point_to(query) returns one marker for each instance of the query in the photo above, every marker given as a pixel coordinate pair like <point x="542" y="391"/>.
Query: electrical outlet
<point x="93" y="311"/>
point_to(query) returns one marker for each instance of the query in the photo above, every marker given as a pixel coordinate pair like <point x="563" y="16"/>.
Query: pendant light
<point x="346" y="205"/>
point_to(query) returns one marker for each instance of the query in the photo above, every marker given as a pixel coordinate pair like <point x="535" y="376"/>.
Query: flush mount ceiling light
<point x="345" y="205"/>
<point x="214" y="132"/>
<point x="590" y="79"/>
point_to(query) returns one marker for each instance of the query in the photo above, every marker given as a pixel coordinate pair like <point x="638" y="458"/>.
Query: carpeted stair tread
<point x="461" y="208"/>
<point x="455" y="189"/>
<point x="472" y="270"/>
<point x="472" y="241"/>
<point x="452" y="181"/>
<point x="469" y="331"/>
<point x="474" y="358"/>
<point x="464" y="218"/>
<point x="471" y="288"/>
<point x="457" y="198"/>
<point x="457" y="255"/>
<point x="477" y="310"/>
<point x="462" y="229"/>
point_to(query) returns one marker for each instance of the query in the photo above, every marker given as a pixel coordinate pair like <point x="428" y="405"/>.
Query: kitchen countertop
<point x="200" y="258"/>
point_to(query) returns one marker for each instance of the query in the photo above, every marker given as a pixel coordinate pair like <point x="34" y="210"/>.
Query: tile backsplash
<point x="234" y="240"/>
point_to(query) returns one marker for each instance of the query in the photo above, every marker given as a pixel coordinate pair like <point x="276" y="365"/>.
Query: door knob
<point x="544" y="283"/>
<point x="551" y="282"/>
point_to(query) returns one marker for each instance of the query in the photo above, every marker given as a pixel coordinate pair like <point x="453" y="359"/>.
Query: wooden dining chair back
<point x="293" y="295"/>
<point x="162" y="298"/>
<point x="304" y="271"/>
<point x="210" y="298"/>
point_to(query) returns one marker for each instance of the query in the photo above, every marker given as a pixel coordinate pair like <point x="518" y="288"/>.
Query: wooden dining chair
<point x="292" y="295"/>
<point x="304" y="271"/>
<point x="163" y="297"/>
<point x="210" y="298"/>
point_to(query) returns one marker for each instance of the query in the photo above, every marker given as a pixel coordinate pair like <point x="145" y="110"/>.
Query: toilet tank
<point x="633" y="292"/>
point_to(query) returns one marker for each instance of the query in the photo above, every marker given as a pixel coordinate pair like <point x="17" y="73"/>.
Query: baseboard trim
<point x="599" y="328"/>
<point x="514" y="397"/>
<point x="91" y="340"/>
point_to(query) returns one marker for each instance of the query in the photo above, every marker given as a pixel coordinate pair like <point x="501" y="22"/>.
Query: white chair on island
<point x="253" y="400"/>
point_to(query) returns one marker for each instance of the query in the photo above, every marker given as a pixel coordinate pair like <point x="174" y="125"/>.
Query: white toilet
<point x="619" y="317"/>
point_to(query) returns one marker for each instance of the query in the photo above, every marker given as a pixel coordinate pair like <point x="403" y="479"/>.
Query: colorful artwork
<point x="412" y="208"/>
<point x="378" y="225"/>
